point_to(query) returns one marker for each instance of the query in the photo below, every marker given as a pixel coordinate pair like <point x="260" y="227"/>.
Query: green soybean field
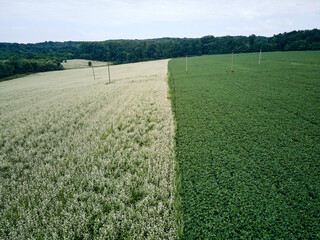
<point x="247" y="145"/>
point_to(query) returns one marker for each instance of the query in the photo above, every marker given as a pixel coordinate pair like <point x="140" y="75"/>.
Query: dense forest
<point x="29" y="58"/>
<point x="47" y="56"/>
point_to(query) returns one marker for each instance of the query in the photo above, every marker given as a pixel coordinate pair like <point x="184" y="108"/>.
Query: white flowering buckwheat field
<point x="82" y="159"/>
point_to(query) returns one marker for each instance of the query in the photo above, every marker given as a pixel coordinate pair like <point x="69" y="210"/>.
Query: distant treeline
<point x="23" y="58"/>
<point x="125" y="51"/>
<point x="29" y="58"/>
<point x="15" y="65"/>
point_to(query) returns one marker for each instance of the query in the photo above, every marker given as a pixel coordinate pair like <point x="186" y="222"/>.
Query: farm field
<point x="248" y="145"/>
<point x="81" y="63"/>
<point x="80" y="159"/>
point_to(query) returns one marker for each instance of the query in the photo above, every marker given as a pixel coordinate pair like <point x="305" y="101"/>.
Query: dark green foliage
<point x="15" y="66"/>
<point x="247" y="145"/>
<point x="125" y="51"/>
<point x="29" y="58"/>
<point x="6" y="69"/>
<point x="45" y="50"/>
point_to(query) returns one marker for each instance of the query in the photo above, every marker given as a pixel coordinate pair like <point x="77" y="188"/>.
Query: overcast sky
<point x="96" y="20"/>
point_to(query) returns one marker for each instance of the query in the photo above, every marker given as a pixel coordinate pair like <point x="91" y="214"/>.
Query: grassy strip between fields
<point x="247" y="145"/>
<point x="14" y="77"/>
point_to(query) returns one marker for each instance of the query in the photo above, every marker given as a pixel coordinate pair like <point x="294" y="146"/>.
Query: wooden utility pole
<point x="232" y="63"/>
<point x="109" y="73"/>
<point x="186" y="63"/>
<point x="94" y="76"/>
<point x="260" y="56"/>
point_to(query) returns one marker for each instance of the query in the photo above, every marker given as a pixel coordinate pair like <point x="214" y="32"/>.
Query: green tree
<point x="6" y="69"/>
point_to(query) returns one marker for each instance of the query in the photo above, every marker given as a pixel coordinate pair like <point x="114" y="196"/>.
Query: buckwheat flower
<point x="83" y="159"/>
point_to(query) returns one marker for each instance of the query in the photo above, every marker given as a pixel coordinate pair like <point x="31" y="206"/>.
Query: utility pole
<point x="109" y="73"/>
<point x="94" y="76"/>
<point x="186" y="63"/>
<point x="232" y="63"/>
<point x="260" y="56"/>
